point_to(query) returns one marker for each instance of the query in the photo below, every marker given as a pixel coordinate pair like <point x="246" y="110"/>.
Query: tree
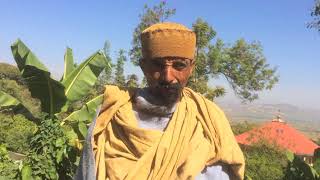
<point x="119" y="78"/>
<point x="107" y="78"/>
<point x="106" y="75"/>
<point x="242" y="127"/>
<point x="149" y="16"/>
<point x="242" y="64"/>
<point x="315" y="13"/>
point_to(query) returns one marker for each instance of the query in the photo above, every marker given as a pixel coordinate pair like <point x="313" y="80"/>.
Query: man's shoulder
<point x="113" y="94"/>
<point x="113" y="90"/>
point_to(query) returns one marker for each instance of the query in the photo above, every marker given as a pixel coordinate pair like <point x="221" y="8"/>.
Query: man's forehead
<point x="171" y="59"/>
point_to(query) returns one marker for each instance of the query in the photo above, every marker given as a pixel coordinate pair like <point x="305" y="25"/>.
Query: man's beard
<point x="168" y="93"/>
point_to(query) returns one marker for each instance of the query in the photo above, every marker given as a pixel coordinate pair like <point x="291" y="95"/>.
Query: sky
<point x="48" y="27"/>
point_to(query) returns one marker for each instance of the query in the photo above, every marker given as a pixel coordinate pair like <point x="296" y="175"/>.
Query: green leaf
<point x="59" y="142"/>
<point x="87" y="112"/>
<point x="70" y="134"/>
<point x="26" y="173"/>
<point x="59" y="155"/>
<point x="68" y="63"/>
<point x="49" y="91"/>
<point x="7" y="100"/>
<point x="290" y="156"/>
<point x="82" y="79"/>
<point x="83" y="129"/>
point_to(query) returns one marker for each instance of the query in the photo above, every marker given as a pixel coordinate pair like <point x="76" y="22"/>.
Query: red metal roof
<point x="282" y="135"/>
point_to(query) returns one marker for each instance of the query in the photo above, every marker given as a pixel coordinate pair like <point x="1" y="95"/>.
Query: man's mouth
<point x="166" y="91"/>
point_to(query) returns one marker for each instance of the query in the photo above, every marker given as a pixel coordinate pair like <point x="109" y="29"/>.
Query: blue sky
<point x="48" y="27"/>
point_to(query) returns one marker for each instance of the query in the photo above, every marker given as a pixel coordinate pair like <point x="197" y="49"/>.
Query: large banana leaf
<point x="7" y="100"/>
<point x="82" y="79"/>
<point x="75" y="125"/>
<point x="87" y="112"/>
<point x="49" y="91"/>
<point x="68" y="63"/>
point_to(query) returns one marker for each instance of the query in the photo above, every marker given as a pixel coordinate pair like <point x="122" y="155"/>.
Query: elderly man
<point x="164" y="131"/>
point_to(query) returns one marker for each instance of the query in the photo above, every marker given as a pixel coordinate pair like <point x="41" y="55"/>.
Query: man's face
<point x="167" y="76"/>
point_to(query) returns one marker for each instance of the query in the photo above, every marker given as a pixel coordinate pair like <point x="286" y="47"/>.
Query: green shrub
<point x="21" y="93"/>
<point x="8" y="169"/>
<point x="16" y="132"/>
<point x="51" y="157"/>
<point x="239" y="128"/>
<point x="264" y="161"/>
<point x="8" y="71"/>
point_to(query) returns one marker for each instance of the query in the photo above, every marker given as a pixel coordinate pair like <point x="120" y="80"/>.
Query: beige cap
<point x="168" y="40"/>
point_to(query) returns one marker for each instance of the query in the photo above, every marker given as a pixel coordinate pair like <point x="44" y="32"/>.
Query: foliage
<point x="16" y="132"/>
<point x="8" y="169"/>
<point x="55" y="96"/>
<point x="40" y="84"/>
<point x="246" y="70"/>
<point x="298" y="169"/>
<point x="51" y="157"/>
<point x="149" y="16"/>
<point x="22" y="94"/>
<point x="55" y="148"/>
<point x="239" y="128"/>
<point x="106" y="76"/>
<point x="11" y="72"/>
<point x="315" y="13"/>
<point x="316" y="163"/>
<point x="119" y="78"/>
<point x="264" y="161"/>
<point x="108" y="71"/>
<point x="6" y="100"/>
<point x="241" y="64"/>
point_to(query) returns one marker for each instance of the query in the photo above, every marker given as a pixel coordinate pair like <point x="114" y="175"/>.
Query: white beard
<point x="145" y="102"/>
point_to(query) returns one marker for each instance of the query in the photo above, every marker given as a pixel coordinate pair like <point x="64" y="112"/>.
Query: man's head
<point x="168" y="59"/>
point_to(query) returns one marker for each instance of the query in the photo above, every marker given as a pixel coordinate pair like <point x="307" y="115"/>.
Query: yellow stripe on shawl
<point x="197" y="135"/>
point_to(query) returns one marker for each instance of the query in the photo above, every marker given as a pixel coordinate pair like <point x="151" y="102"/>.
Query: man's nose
<point x="167" y="74"/>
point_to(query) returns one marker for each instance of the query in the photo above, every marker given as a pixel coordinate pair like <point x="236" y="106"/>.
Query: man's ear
<point x="193" y="65"/>
<point x="141" y="61"/>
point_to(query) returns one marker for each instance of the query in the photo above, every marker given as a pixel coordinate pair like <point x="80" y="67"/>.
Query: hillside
<point x="305" y="120"/>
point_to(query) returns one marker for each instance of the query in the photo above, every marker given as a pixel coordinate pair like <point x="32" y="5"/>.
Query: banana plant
<point x="298" y="169"/>
<point x="49" y="91"/>
<point x="56" y="96"/>
<point x="79" y="120"/>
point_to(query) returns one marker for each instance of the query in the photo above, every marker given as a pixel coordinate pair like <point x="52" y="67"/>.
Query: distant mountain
<point x="306" y="120"/>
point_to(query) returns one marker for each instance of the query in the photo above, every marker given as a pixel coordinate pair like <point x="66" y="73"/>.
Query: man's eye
<point x="179" y="65"/>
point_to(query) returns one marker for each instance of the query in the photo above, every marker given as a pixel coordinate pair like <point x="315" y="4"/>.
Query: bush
<point x="239" y="128"/>
<point x="21" y="93"/>
<point x="11" y="72"/>
<point x="8" y="169"/>
<point x="51" y="157"/>
<point x="264" y="161"/>
<point x="16" y="132"/>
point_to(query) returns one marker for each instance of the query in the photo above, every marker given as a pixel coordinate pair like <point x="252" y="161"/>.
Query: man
<point x="164" y="131"/>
